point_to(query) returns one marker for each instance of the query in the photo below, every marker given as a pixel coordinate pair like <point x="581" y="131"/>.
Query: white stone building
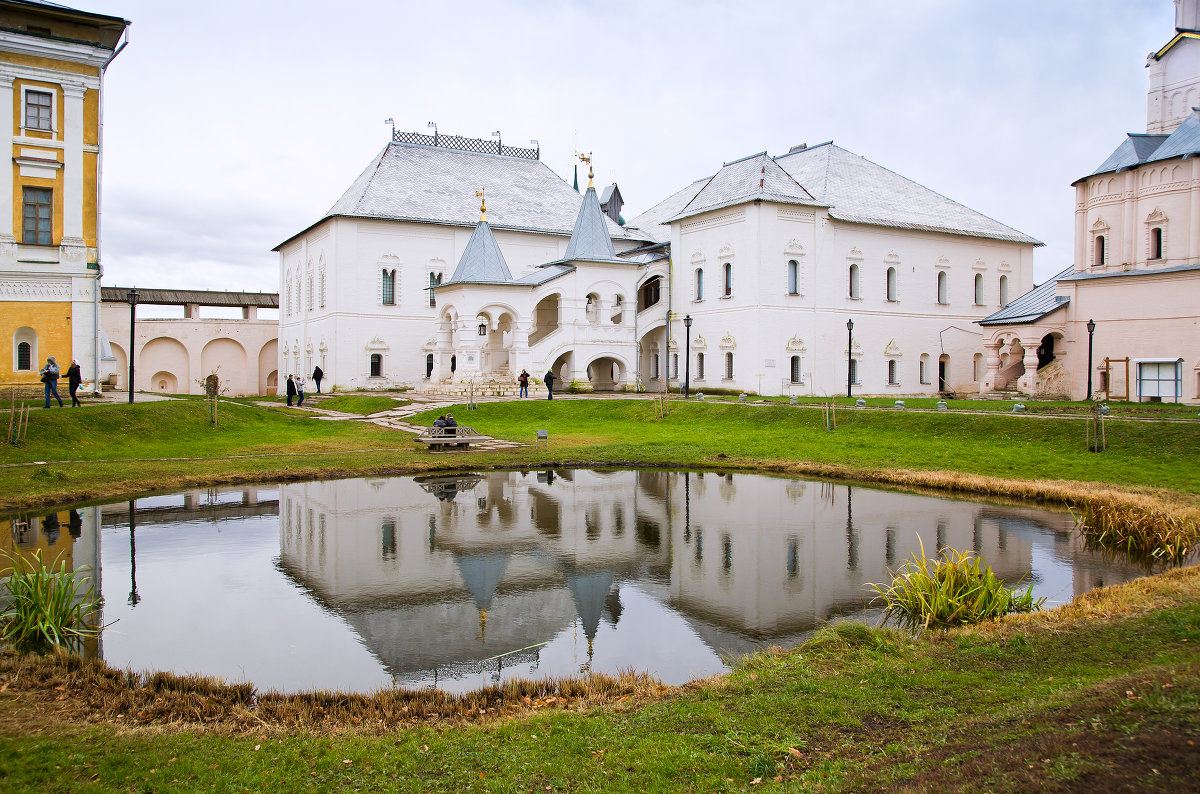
<point x="770" y="257"/>
<point x="1136" y="269"/>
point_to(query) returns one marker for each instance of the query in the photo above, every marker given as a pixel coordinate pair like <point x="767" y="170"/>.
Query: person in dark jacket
<point x="549" y="384"/>
<point x="74" y="378"/>
<point x="317" y="375"/>
<point x="291" y="390"/>
<point x="49" y="375"/>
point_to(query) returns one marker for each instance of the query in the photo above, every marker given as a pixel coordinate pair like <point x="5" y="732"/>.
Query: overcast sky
<point x="230" y="126"/>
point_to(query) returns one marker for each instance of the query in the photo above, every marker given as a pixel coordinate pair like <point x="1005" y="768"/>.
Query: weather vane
<point x="587" y="158"/>
<point x="482" y="204"/>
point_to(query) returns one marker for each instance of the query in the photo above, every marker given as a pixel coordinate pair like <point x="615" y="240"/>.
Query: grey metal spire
<point x="590" y="239"/>
<point x="481" y="260"/>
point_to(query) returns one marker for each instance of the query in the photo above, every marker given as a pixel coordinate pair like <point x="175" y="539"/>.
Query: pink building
<point x="1124" y="320"/>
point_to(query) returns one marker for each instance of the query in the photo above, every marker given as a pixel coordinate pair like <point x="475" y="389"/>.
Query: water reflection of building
<point x="456" y="571"/>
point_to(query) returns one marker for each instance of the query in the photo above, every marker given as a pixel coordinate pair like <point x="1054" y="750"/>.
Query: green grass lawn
<point x="363" y="404"/>
<point x="157" y="439"/>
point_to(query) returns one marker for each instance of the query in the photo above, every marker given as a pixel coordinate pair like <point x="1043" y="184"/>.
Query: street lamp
<point x="687" y="354"/>
<point x="1091" y="326"/>
<point x="133" y="299"/>
<point x="849" y="356"/>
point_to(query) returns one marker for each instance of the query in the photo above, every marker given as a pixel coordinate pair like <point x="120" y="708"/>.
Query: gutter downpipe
<point x="99" y="192"/>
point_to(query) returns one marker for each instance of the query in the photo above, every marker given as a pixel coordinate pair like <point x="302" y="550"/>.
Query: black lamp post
<point x="1091" y="326"/>
<point x="849" y="356"/>
<point x="687" y="354"/>
<point x="133" y="299"/>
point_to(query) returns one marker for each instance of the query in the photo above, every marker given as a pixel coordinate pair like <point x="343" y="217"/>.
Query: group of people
<point x="523" y="381"/>
<point x="50" y="375"/>
<point x="295" y="386"/>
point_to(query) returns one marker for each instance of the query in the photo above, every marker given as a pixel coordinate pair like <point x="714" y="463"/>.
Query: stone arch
<point x="267" y="357"/>
<point x="607" y="371"/>
<point x="120" y="365"/>
<point x="163" y="354"/>
<point x="227" y="358"/>
<point x="26" y="336"/>
<point x="547" y="317"/>
<point x="164" y="382"/>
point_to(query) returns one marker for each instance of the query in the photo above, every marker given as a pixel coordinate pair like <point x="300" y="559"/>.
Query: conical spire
<point x="590" y="239"/>
<point x="482" y="260"/>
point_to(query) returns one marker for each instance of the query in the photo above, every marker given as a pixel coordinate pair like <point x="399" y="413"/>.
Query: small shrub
<point x="953" y="590"/>
<point x="46" y="608"/>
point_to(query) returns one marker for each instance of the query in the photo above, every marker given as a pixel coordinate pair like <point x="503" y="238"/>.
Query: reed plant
<point x="955" y="588"/>
<point x="45" y="608"/>
<point x="1143" y="533"/>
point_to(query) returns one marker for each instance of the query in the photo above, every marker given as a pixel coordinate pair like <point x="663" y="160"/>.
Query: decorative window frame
<point x="53" y="91"/>
<point x="794" y="252"/>
<point x="1156" y="220"/>
<point x="29" y="336"/>
<point x="1098" y="229"/>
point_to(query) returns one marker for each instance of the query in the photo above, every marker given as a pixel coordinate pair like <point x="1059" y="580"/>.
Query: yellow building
<point x="52" y="63"/>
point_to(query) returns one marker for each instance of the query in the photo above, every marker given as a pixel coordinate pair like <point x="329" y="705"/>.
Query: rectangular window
<point x="675" y="366"/>
<point x="853" y="366"/>
<point x="654" y="366"/>
<point x="37" y="213"/>
<point x="39" y="110"/>
<point x="24" y="357"/>
<point x="729" y="366"/>
<point x="389" y="288"/>
<point x="699" y="366"/>
<point x="796" y="377"/>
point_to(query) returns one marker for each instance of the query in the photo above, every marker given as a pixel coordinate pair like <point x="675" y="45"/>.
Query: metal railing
<point x="478" y="145"/>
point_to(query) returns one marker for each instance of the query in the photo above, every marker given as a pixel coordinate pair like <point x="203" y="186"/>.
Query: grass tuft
<point x="47" y="609"/>
<point x="1142" y="532"/>
<point x="955" y="588"/>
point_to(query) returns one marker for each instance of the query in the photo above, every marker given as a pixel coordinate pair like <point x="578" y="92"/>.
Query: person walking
<point x="300" y="390"/>
<point x="549" y="384"/>
<point x="74" y="378"/>
<point x="317" y="375"/>
<point x="523" y="379"/>
<point x="49" y="375"/>
<point x="291" y="390"/>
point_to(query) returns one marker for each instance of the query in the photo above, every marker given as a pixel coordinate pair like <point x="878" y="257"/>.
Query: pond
<point x="462" y="581"/>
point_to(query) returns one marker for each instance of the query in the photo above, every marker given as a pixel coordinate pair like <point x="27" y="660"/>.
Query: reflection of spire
<point x="481" y="573"/>
<point x="612" y="604"/>
<point x="589" y="591"/>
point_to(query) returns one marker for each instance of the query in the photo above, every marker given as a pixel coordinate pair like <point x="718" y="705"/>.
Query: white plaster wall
<point x="177" y="346"/>
<point x="1174" y="87"/>
<point x="764" y="326"/>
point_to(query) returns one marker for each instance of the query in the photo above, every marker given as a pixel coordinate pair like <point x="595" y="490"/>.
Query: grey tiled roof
<point x="857" y="190"/>
<point x="652" y="222"/>
<point x="437" y="185"/>
<point x="1137" y="149"/>
<point x="1033" y="305"/>
<point x="544" y="274"/>
<point x="481" y="261"/>
<point x="747" y="179"/>
<point x="861" y="191"/>
<point x="1085" y="276"/>
<point x="590" y="239"/>
<point x="1183" y="141"/>
<point x="1133" y="150"/>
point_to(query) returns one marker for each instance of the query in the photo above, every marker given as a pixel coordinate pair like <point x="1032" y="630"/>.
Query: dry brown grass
<point x="79" y="690"/>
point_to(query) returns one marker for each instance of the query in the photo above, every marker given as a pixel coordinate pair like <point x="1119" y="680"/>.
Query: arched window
<point x="388" y="289"/>
<point x="699" y="283"/>
<point x="1100" y="249"/>
<point x="376" y="365"/>
<point x="24" y="357"/>
<point x="793" y="277"/>
<point x="434" y="280"/>
<point x="729" y="366"/>
<point x="942" y="278"/>
<point x="854" y="282"/>
<point x="1003" y="291"/>
<point x="699" y="366"/>
<point x="795" y="367"/>
<point x="891" y="284"/>
<point x="311" y="294"/>
<point x="321" y="284"/>
<point x="977" y="367"/>
<point x="924" y="368"/>
<point x="978" y="289"/>
<point x="893" y="377"/>
<point x="288" y="297"/>
<point x="1156" y="243"/>
<point x="675" y="366"/>
<point x="728" y="279"/>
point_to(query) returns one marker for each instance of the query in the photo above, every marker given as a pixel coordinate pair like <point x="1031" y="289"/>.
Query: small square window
<point x="39" y="113"/>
